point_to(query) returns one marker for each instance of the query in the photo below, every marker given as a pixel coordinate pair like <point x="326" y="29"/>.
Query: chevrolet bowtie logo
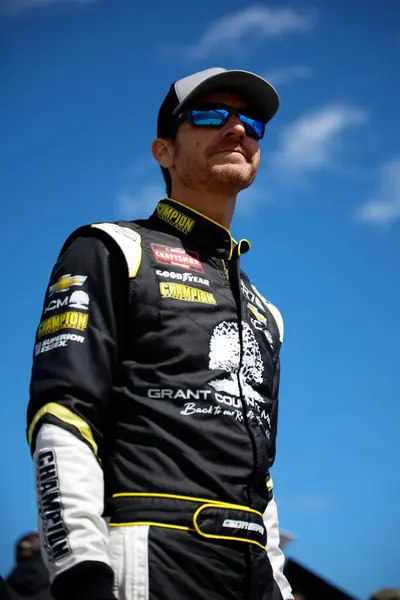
<point x="65" y="282"/>
<point x="257" y="314"/>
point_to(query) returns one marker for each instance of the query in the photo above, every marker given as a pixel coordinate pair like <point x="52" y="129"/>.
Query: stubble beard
<point x="227" y="178"/>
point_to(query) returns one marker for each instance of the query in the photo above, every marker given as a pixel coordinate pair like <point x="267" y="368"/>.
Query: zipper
<point x="226" y="268"/>
<point x="223" y="270"/>
<point x="234" y="282"/>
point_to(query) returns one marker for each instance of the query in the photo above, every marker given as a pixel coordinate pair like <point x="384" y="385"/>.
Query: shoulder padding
<point x="274" y="312"/>
<point x="129" y="242"/>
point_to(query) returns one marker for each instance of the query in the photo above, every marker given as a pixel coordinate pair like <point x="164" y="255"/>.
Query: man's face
<point x="221" y="160"/>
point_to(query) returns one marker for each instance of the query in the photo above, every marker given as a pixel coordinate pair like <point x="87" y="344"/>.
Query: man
<point x="29" y="578"/>
<point x="155" y="379"/>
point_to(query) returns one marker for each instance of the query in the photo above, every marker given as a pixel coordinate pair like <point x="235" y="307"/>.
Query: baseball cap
<point x="260" y="95"/>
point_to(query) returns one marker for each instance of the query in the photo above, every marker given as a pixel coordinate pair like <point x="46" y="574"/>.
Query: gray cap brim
<point x="261" y="96"/>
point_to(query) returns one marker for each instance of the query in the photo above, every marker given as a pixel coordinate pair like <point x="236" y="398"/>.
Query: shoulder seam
<point x="129" y="242"/>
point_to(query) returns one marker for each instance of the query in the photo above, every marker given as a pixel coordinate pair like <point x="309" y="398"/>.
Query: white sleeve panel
<point x="274" y="552"/>
<point x="70" y="491"/>
<point x="128" y="240"/>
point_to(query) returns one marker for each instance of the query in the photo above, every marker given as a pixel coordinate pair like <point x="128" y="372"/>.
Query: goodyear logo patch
<point x="179" y="291"/>
<point x="175" y="218"/>
<point x="66" y="320"/>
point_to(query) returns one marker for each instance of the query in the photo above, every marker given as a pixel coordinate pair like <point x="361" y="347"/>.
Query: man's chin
<point x="232" y="176"/>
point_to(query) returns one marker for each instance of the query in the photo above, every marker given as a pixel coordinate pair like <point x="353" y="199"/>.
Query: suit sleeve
<point x="271" y="521"/>
<point x="75" y="359"/>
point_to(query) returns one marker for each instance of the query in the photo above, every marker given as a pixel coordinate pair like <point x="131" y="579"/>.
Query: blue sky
<point x="80" y="86"/>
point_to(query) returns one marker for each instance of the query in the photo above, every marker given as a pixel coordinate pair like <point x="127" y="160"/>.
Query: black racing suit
<point x="153" y="414"/>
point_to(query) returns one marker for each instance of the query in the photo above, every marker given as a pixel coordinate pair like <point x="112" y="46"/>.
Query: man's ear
<point x="163" y="152"/>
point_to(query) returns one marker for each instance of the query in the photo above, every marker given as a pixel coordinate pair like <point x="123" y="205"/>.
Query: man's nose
<point x="234" y="128"/>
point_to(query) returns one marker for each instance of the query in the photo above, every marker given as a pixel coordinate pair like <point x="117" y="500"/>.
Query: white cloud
<point x="246" y="25"/>
<point x="250" y="199"/>
<point x="288" y="75"/>
<point x="315" y="501"/>
<point x="143" y="168"/>
<point x="15" y="7"/>
<point x="312" y="142"/>
<point x="384" y="205"/>
<point x="134" y="205"/>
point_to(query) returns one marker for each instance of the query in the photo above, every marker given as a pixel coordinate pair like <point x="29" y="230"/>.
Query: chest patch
<point x="178" y="257"/>
<point x="187" y="293"/>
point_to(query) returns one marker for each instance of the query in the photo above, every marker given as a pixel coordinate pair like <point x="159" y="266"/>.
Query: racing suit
<point x="153" y="414"/>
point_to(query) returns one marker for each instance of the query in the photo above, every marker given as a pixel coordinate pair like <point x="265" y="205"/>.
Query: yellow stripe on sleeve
<point x="67" y="416"/>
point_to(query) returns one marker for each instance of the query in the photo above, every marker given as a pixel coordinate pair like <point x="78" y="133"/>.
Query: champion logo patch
<point x="178" y="257"/>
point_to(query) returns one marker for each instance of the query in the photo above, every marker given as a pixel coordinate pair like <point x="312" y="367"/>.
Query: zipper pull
<point x="226" y="268"/>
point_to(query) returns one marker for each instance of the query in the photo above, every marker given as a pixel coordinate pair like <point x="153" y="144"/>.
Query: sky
<point x="80" y="86"/>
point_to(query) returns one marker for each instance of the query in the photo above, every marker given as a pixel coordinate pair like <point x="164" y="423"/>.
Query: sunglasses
<point x="217" y="115"/>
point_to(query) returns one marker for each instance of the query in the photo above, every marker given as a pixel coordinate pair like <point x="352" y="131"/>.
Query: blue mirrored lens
<point x="253" y="127"/>
<point x="214" y="117"/>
